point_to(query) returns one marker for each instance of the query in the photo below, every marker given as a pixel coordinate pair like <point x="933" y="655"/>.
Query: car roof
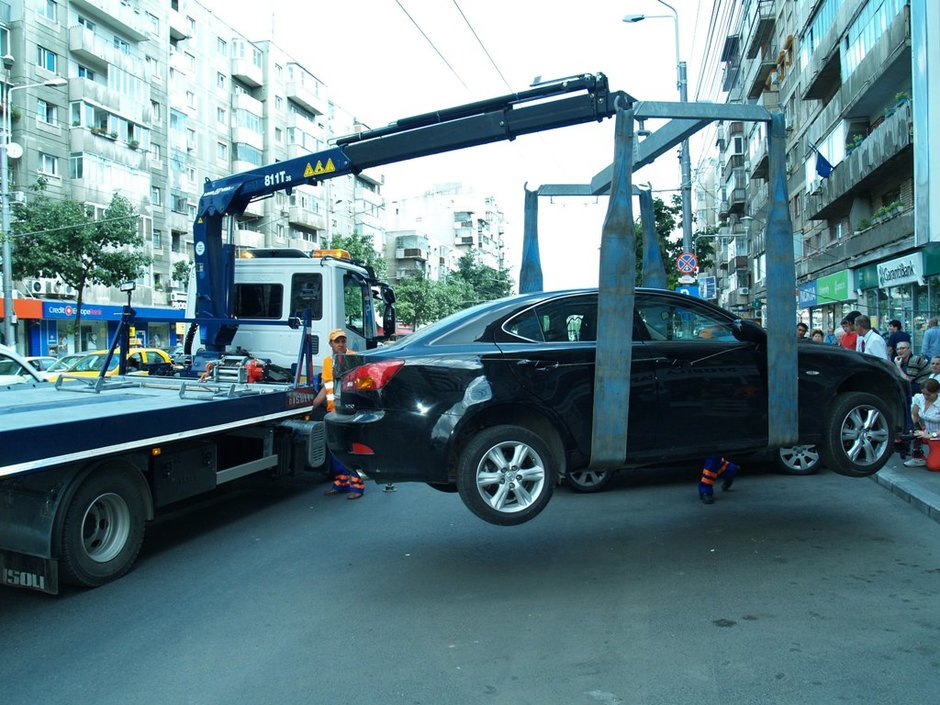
<point x="13" y="355"/>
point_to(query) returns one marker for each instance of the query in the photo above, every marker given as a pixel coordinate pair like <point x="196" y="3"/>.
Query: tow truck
<point x="85" y="464"/>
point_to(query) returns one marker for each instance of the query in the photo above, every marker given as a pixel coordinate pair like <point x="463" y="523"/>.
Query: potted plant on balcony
<point x="133" y="144"/>
<point x="901" y="98"/>
<point x="853" y="142"/>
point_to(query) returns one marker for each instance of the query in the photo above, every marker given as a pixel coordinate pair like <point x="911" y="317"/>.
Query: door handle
<point x="538" y="364"/>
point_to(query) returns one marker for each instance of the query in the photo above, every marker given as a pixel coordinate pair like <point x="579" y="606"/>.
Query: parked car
<point x="62" y="364"/>
<point x="40" y="363"/>
<point x="496" y="401"/>
<point x="15" y="370"/>
<point x="138" y="361"/>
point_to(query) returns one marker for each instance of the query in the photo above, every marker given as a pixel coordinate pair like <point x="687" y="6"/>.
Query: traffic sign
<point x="688" y="290"/>
<point x="686" y="263"/>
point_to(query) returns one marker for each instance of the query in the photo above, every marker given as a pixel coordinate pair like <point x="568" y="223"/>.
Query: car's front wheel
<point x="859" y="435"/>
<point x="505" y="475"/>
<point x="798" y="460"/>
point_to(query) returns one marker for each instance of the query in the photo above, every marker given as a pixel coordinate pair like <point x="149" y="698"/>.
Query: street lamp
<point x="685" y="162"/>
<point x="8" y="330"/>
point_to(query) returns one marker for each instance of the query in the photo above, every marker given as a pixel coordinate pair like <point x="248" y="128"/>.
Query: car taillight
<point x="372" y="376"/>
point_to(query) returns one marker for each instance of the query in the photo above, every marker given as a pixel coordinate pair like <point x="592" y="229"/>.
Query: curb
<point x="901" y="484"/>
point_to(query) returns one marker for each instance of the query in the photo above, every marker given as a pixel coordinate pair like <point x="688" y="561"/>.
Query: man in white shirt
<point x="869" y="342"/>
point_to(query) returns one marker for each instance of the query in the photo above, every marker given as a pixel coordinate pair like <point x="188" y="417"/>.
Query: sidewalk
<point x="918" y="486"/>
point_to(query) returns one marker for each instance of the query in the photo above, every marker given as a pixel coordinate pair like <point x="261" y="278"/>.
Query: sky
<point x="387" y="59"/>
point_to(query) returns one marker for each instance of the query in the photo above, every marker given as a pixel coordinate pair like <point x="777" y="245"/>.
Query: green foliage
<point x="421" y="301"/>
<point x="60" y="238"/>
<point x="362" y="249"/>
<point x="181" y="271"/>
<point x="668" y="219"/>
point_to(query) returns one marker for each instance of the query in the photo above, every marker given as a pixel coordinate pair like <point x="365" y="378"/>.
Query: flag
<point x="823" y="167"/>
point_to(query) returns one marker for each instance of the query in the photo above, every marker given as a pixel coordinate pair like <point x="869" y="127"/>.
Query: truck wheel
<point x="859" y="435"/>
<point x="589" y="480"/>
<point x="103" y="529"/>
<point x="798" y="460"/>
<point x="505" y="475"/>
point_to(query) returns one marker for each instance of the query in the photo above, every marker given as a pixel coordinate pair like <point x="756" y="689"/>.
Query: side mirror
<point x="388" y="294"/>
<point x="389" y="322"/>
<point x="748" y="331"/>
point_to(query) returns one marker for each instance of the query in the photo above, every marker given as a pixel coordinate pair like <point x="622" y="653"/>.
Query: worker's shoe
<point x="354" y="495"/>
<point x="707" y="498"/>
<point x="915" y="463"/>
<point x="726" y="483"/>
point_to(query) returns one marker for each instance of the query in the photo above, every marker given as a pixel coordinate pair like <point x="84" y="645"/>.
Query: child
<point x="715" y="466"/>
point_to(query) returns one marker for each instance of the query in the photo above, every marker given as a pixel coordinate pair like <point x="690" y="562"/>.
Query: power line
<point x="480" y="42"/>
<point x="431" y="44"/>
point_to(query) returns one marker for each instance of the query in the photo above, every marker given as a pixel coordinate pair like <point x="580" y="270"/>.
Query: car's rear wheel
<point x="859" y="435"/>
<point x="798" y="460"/>
<point x="589" y="480"/>
<point x="505" y="475"/>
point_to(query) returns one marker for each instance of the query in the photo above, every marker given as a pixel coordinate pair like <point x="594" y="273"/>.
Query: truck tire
<point x="859" y="435"/>
<point x="103" y="529"/>
<point x="505" y="475"/>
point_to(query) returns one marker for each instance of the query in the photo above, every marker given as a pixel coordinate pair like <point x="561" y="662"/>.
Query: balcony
<point x="735" y="162"/>
<point x="411" y="253"/>
<point x="306" y="218"/>
<point x="765" y="66"/>
<point x="246" y="71"/>
<point x="249" y="238"/>
<point x="130" y="21"/>
<point x="136" y="109"/>
<point x="90" y="50"/>
<point x="883" y="157"/>
<point x="306" y="97"/>
<point x="179" y="25"/>
<point x="760" y="28"/>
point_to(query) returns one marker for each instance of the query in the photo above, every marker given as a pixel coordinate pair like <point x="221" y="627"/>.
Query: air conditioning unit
<point x="35" y="287"/>
<point x="18" y="196"/>
<point x="744" y="290"/>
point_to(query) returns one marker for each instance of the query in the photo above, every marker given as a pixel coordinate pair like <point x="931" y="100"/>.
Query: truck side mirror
<point x="389" y="324"/>
<point x="388" y="294"/>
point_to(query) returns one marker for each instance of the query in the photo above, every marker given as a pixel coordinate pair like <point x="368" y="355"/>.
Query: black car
<point x="496" y="401"/>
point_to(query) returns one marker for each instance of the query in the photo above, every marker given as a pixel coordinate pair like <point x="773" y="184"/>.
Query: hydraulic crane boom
<point x="561" y="103"/>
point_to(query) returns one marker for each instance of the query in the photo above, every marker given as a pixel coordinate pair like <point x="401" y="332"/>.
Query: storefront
<point x="47" y="327"/>
<point x="826" y="300"/>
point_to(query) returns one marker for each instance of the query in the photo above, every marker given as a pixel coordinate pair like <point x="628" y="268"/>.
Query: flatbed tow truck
<point x="84" y="464"/>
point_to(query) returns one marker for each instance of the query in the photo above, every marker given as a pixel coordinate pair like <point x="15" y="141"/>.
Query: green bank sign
<point x="834" y="288"/>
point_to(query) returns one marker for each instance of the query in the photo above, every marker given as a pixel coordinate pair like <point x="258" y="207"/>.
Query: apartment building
<point x="159" y="96"/>
<point x="841" y="71"/>
<point x="429" y="232"/>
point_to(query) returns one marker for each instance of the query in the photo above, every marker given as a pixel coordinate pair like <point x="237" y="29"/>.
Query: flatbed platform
<point x="45" y="426"/>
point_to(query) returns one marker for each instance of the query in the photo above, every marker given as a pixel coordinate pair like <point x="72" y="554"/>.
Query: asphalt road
<point x="818" y="589"/>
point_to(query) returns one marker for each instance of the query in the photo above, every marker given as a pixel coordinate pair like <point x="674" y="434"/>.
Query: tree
<point x="181" y="270"/>
<point x="484" y="283"/>
<point x="416" y="300"/>
<point x="62" y="238"/>
<point x="667" y="222"/>
<point x="362" y="249"/>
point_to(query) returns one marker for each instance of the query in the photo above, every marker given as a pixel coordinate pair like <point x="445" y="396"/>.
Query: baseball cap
<point x="337" y="333"/>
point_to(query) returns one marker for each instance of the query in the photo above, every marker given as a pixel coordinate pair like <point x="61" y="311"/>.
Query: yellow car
<point x="138" y="359"/>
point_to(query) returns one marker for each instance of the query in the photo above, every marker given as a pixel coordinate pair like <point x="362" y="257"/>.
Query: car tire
<point x="859" y="435"/>
<point x="586" y="481"/>
<point x="798" y="460"/>
<point x="506" y="475"/>
<point x="103" y="529"/>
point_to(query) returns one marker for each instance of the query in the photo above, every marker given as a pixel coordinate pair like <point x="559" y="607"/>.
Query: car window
<point x="569" y="319"/>
<point x="9" y="366"/>
<point x="674" y="321"/>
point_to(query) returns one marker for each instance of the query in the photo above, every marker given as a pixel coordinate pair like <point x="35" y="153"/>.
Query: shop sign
<point x="835" y="287"/>
<point x="901" y="270"/>
<point x="807" y="294"/>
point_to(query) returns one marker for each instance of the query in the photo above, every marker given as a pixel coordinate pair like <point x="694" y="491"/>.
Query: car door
<point x="712" y="387"/>
<point x="551" y="349"/>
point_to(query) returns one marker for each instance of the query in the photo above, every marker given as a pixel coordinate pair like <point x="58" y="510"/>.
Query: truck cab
<point x="274" y="288"/>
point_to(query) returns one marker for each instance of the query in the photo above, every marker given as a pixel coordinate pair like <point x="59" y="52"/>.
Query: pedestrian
<point x="930" y="345"/>
<point x="345" y="481"/>
<point x="850" y="337"/>
<point x="925" y="412"/>
<point x="801" y="329"/>
<point x="818" y="336"/>
<point x="714" y="467"/>
<point x="916" y="370"/>
<point x="831" y="337"/>
<point x="896" y="334"/>
<point x="935" y="367"/>
<point x="869" y="341"/>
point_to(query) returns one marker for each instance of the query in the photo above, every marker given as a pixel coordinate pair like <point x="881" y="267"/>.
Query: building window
<point x="48" y="164"/>
<point x="156" y="112"/>
<point x="178" y="205"/>
<point x="191" y="100"/>
<point x="278" y="135"/>
<point x="121" y="45"/>
<point x="46" y="59"/>
<point x="220" y="80"/>
<point x="156" y="196"/>
<point x="49" y="9"/>
<point x="47" y="113"/>
<point x="220" y="115"/>
<point x="221" y="46"/>
<point x="221" y="151"/>
<point x="278" y="102"/>
<point x="157" y="240"/>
